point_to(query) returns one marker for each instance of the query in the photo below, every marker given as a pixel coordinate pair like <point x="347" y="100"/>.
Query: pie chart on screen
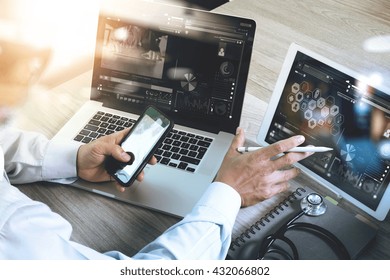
<point x="189" y="83"/>
<point x="348" y="153"/>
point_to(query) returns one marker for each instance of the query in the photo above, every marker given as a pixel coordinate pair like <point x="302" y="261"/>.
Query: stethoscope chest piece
<point x="313" y="205"/>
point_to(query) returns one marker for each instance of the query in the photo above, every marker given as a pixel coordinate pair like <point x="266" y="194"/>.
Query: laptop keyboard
<point x="179" y="149"/>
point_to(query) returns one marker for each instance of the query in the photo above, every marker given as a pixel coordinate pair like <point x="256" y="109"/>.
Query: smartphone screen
<point x="144" y="138"/>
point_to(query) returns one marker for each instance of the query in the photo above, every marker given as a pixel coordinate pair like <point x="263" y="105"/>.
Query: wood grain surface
<point x="339" y="30"/>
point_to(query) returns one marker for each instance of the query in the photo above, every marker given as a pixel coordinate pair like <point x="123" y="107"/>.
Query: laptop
<point x="192" y="65"/>
<point x="335" y="107"/>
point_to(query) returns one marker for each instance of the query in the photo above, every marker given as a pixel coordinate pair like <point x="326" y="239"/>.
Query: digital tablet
<point x="335" y="107"/>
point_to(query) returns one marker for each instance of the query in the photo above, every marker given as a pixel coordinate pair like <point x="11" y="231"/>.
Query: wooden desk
<point x="337" y="29"/>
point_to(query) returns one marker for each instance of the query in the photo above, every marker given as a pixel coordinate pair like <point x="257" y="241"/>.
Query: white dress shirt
<point x="30" y="230"/>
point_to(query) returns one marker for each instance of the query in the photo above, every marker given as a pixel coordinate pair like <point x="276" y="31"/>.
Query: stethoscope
<point x="313" y="205"/>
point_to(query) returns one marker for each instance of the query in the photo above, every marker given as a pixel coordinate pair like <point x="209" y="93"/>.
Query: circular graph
<point x="348" y="153"/>
<point x="226" y="68"/>
<point x="369" y="186"/>
<point x="189" y="83"/>
<point x="220" y="109"/>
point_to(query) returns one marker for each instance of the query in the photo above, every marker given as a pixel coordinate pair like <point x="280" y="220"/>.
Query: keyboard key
<point x="176" y="143"/>
<point x="200" y="155"/>
<point x="175" y="149"/>
<point x="93" y="135"/>
<point x="167" y="154"/>
<point x="190" y="160"/>
<point x="108" y="132"/>
<point x="102" y="130"/>
<point x="94" y="122"/>
<point x="193" y="141"/>
<point x="182" y="165"/>
<point x="78" y="138"/>
<point x="128" y="124"/>
<point x="192" y="154"/>
<point x="204" y="144"/>
<point x="166" y="147"/>
<point x="175" y="156"/>
<point x="85" y="132"/>
<point x="91" y="127"/>
<point x="185" y="145"/>
<point x="86" y="139"/>
<point x="112" y="127"/>
<point x="194" y="148"/>
<point x="97" y="117"/>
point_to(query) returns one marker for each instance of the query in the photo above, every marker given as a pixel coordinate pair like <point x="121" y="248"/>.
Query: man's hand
<point x="91" y="157"/>
<point x="258" y="175"/>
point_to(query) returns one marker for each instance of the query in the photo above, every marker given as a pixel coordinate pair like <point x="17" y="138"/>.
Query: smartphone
<point x="141" y="142"/>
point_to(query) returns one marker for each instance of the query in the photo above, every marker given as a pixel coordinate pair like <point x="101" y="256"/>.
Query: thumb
<point x="119" y="154"/>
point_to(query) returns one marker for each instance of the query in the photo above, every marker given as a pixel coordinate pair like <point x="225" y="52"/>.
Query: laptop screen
<point x="334" y="109"/>
<point x="191" y="64"/>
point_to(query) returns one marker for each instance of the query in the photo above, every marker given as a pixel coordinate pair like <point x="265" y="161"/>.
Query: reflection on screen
<point x="178" y="73"/>
<point x="333" y="109"/>
<point x="178" y="64"/>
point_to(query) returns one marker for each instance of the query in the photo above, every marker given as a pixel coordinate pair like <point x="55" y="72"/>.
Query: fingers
<point x="276" y="150"/>
<point x="282" y="146"/>
<point x="279" y="188"/>
<point x="153" y="160"/>
<point x="237" y="141"/>
<point x="281" y="176"/>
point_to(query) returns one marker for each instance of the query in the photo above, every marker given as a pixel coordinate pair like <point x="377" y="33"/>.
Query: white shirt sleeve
<point x="205" y="233"/>
<point x="30" y="157"/>
<point x="30" y="230"/>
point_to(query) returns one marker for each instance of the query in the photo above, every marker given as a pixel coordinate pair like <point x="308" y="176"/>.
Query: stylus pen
<point x="296" y="149"/>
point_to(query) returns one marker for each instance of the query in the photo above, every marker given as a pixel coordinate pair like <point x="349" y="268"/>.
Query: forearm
<point x="205" y="233"/>
<point x="31" y="157"/>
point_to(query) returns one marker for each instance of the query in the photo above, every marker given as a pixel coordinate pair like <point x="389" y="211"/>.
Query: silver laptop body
<point x="191" y="64"/>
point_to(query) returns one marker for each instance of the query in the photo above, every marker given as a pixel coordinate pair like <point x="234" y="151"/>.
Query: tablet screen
<point x="336" y="110"/>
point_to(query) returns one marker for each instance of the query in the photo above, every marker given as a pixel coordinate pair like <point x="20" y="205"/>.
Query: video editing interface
<point x="185" y="67"/>
<point x="335" y="110"/>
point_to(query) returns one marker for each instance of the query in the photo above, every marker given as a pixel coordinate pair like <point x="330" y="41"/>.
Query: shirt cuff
<point x="60" y="160"/>
<point x="224" y="200"/>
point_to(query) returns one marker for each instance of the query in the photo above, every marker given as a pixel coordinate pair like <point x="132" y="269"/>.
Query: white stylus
<point x="296" y="149"/>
